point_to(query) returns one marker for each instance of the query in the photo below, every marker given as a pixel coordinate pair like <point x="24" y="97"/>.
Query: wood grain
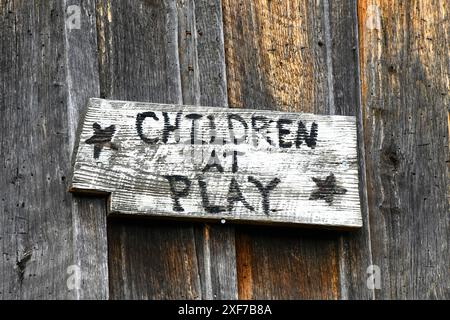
<point x="276" y="178"/>
<point x="300" y="263"/>
<point x="203" y="82"/>
<point x="292" y="36"/>
<point x="405" y="95"/>
<point x="166" y="261"/>
<point x="43" y="229"/>
<point x="139" y="61"/>
<point x="275" y="54"/>
<point x="297" y="55"/>
<point x="88" y="214"/>
<point x="354" y="249"/>
<point x="167" y="65"/>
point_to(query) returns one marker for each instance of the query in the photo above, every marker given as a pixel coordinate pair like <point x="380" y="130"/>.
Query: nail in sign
<point x="218" y="163"/>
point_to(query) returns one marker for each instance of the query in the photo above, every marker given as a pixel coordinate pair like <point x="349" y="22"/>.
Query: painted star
<point x="102" y="138"/>
<point x="326" y="189"/>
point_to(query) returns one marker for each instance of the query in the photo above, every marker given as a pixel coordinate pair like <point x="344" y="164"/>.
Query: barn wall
<point x="46" y="235"/>
<point x="329" y="57"/>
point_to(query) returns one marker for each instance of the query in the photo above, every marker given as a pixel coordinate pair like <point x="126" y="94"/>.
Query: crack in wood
<point x="22" y="264"/>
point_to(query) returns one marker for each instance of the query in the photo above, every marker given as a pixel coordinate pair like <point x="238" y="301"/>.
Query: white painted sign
<point x="219" y="164"/>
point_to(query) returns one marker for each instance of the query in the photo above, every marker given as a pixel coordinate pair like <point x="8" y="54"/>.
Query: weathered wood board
<point x="220" y="164"/>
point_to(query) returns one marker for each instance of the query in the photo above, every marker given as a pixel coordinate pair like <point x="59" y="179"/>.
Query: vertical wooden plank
<point x="405" y="94"/>
<point x="88" y="214"/>
<point x="216" y="254"/>
<point x="138" y="48"/>
<point x="287" y="264"/>
<point x="195" y="76"/>
<point x="201" y="51"/>
<point x="354" y="247"/>
<point x="152" y="260"/>
<point x="448" y="153"/>
<point x="276" y="56"/>
<point x="43" y="230"/>
<point x="139" y="61"/>
<point x="203" y="81"/>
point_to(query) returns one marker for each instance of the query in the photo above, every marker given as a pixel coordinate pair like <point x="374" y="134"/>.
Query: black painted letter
<point x="213" y="162"/>
<point x="283" y="132"/>
<point x="235" y="194"/>
<point x="140" y="120"/>
<point x="178" y="192"/>
<point x="232" y="117"/>
<point x="265" y="123"/>
<point x="205" y="199"/>
<point x="194" y="117"/>
<point x="302" y="135"/>
<point x="171" y="128"/>
<point x="265" y="191"/>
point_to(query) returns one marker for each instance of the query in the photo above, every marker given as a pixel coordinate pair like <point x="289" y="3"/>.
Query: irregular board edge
<point x="295" y="225"/>
<point x="161" y="216"/>
<point x="225" y="109"/>
<point x="356" y="224"/>
<point x="218" y="221"/>
<point x="76" y="145"/>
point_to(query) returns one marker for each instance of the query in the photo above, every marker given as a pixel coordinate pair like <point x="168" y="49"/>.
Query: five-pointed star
<point x="101" y="138"/>
<point x="326" y="189"/>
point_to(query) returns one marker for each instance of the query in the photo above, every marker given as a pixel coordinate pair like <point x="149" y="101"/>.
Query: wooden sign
<point x="219" y="164"/>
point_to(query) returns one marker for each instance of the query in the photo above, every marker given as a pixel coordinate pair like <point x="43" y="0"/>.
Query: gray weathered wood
<point x="203" y="82"/>
<point x="47" y="72"/>
<point x="307" y="166"/>
<point x="201" y="52"/>
<point x="88" y="215"/>
<point x="354" y="250"/>
<point x="404" y="64"/>
<point x="404" y="57"/>
<point x="138" y="55"/>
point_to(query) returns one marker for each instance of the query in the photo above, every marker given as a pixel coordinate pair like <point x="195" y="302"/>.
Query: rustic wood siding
<point x="386" y="62"/>
<point x="405" y="63"/>
<point x="46" y="75"/>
